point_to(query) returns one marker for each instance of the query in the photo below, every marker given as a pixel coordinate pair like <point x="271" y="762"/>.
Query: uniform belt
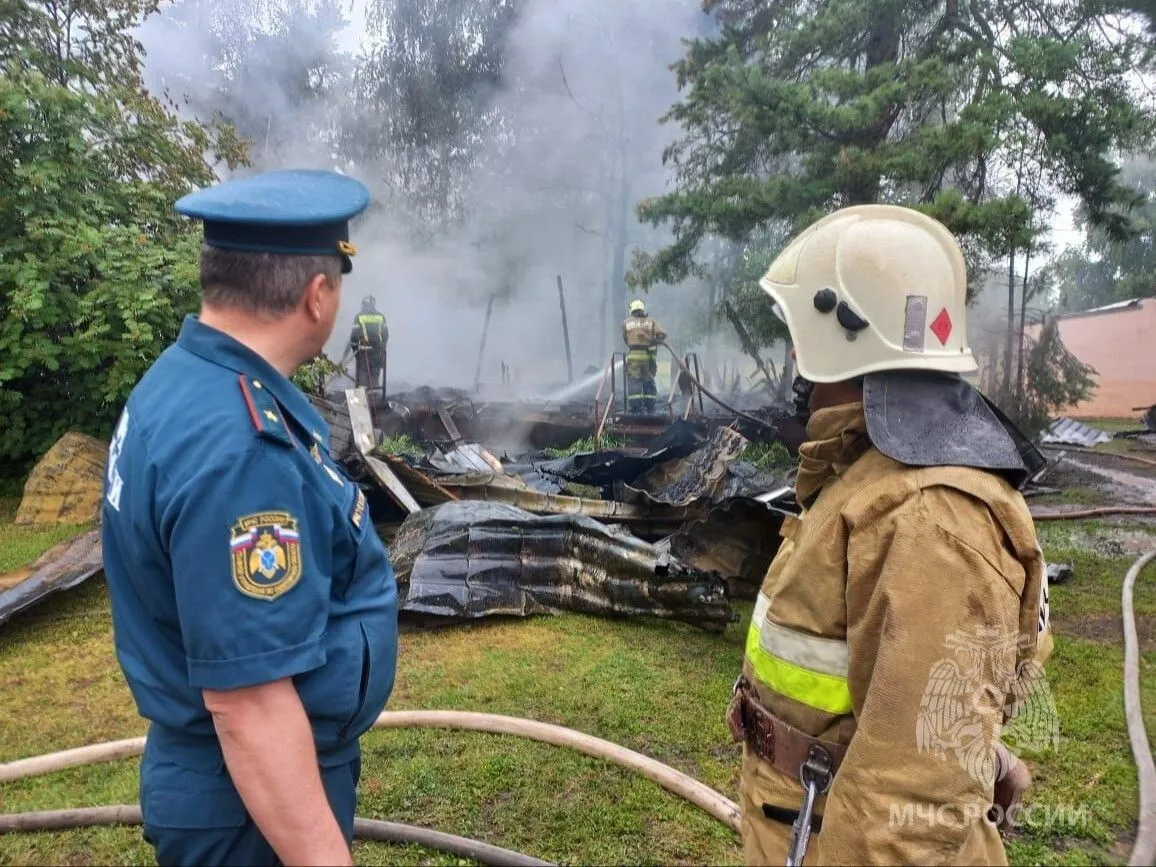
<point x="783" y="746"/>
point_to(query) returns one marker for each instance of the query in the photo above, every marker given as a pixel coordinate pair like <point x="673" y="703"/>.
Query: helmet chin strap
<point x="802" y="389"/>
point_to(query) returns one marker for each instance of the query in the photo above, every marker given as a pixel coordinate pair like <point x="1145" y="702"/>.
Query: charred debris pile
<point x="488" y="514"/>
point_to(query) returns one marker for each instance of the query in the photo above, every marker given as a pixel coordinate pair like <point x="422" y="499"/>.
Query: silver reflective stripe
<point x="915" y="323"/>
<point x="761" y="606"/>
<point x="824" y="655"/>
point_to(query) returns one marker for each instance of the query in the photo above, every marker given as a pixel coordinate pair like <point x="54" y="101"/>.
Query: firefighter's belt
<point x="783" y="746"/>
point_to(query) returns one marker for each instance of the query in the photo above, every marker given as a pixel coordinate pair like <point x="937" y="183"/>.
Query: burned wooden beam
<point x="365" y="441"/>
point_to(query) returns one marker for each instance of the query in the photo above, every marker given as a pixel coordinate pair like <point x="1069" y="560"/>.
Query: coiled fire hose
<point x="699" y="794"/>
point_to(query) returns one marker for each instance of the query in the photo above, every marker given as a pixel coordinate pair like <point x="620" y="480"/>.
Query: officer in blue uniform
<point x="254" y="605"/>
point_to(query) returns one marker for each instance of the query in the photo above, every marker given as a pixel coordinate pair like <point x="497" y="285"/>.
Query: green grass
<point x="21" y="545"/>
<point x="586" y="444"/>
<point x="656" y="687"/>
<point x="1070" y="496"/>
<point x="402" y="444"/>
<point x="1114" y="425"/>
<point x="1120" y="447"/>
<point x="768" y="457"/>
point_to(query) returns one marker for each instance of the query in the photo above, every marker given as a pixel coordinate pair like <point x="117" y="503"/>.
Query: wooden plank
<point x="364" y="439"/>
<point x="357" y="404"/>
<point x="473" y="456"/>
<point x="448" y="422"/>
<point x="392" y="484"/>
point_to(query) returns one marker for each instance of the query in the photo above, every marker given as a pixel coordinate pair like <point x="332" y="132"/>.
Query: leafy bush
<point x="402" y="444"/>
<point x="96" y="268"/>
<point x="314" y="377"/>
<point x="768" y="457"/>
<point x="586" y="444"/>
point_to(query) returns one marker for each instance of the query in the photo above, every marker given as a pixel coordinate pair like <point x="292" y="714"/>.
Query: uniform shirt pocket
<point x="194" y="809"/>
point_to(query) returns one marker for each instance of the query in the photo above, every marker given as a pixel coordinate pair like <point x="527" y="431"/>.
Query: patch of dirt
<point x="493" y="808"/>
<point x="1119" y="536"/>
<point x="1103" y="476"/>
<point x="1121" y="542"/>
<point x="1107" y="629"/>
<point x="1120" y="852"/>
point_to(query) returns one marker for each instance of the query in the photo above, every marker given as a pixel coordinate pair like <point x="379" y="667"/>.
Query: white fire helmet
<point x="870" y="288"/>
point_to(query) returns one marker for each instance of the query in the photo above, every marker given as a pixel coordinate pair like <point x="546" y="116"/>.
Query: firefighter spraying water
<point x="368" y="341"/>
<point x="643" y="336"/>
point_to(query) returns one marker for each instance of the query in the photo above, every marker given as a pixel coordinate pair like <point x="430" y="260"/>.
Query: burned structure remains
<point x="671" y="524"/>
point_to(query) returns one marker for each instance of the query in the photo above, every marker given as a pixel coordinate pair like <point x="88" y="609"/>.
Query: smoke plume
<point x="559" y="149"/>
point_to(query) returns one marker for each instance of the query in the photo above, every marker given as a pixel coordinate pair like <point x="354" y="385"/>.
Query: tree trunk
<point x="882" y="47"/>
<point x="607" y="317"/>
<point x="712" y="300"/>
<point x="1023" y="314"/>
<point x="1011" y="328"/>
<point x="619" y="238"/>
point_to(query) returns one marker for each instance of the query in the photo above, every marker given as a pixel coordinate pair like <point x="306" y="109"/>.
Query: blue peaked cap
<point x="296" y="212"/>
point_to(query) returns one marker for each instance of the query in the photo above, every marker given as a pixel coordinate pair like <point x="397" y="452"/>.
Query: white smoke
<point x="586" y="84"/>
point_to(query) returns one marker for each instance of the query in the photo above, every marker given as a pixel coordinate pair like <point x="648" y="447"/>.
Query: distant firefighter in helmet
<point x="642" y="335"/>
<point x="368" y="340"/>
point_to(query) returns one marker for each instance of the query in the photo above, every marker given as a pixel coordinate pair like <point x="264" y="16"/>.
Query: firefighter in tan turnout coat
<point x="905" y="616"/>
<point x="643" y="336"/>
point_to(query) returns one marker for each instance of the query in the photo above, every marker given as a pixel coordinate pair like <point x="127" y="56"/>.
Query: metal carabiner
<point x="815" y="775"/>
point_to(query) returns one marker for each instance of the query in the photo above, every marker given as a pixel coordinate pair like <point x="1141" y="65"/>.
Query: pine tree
<point x="798" y="107"/>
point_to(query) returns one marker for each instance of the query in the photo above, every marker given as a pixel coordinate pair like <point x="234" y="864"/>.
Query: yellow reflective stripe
<point x="638" y="355"/>
<point x="364" y="319"/>
<point x="826" y="692"/>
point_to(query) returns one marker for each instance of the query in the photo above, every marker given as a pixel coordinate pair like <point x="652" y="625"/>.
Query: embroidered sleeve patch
<point x="266" y="554"/>
<point x="357" y="515"/>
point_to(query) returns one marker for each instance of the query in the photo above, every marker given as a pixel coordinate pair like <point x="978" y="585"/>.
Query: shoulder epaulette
<point x="265" y="413"/>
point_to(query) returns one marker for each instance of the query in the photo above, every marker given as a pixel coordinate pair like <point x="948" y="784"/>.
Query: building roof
<point x="1131" y="304"/>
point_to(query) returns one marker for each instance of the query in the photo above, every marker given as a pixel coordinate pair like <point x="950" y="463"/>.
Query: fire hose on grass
<point x="697" y="793"/>
<point x="363" y="829"/>
<point x="1144" y="850"/>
